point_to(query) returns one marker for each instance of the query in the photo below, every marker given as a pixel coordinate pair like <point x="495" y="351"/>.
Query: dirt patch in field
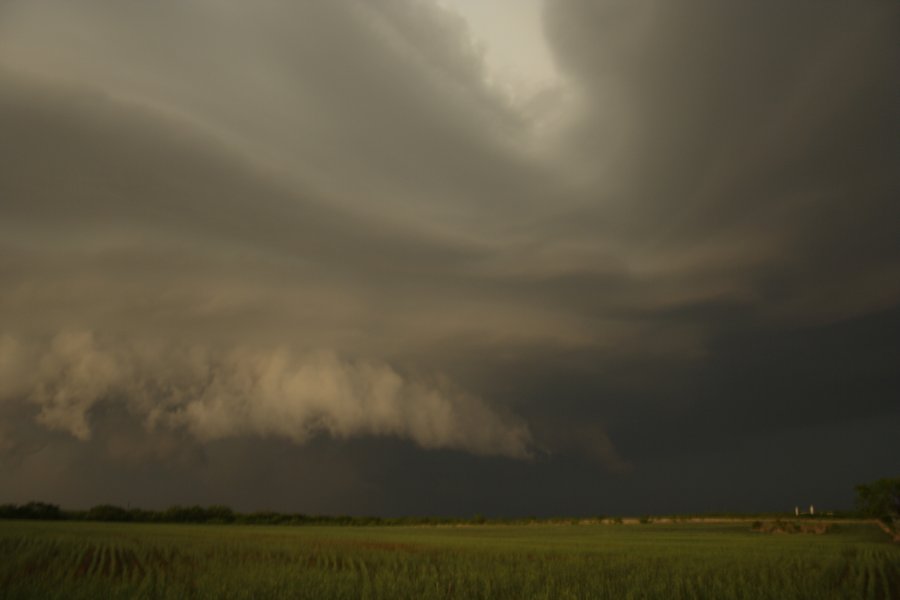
<point x="372" y="545"/>
<point x="84" y="565"/>
<point x="390" y="546"/>
<point x="894" y="533"/>
<point x="792" y="527"/>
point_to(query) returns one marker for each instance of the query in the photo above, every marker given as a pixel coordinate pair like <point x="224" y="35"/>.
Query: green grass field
<point x="96" y="560"/>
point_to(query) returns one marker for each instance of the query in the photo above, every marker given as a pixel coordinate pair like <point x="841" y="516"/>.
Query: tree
<point x="108" y="512"/>
<point x="880" y="499"/>
<point x="32" y="510"/>
<point x="219" y="514"/>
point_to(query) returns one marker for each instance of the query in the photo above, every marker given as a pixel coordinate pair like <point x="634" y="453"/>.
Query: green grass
<point x="96" y="560"/>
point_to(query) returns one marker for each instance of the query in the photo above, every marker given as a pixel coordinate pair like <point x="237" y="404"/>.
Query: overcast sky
<point x="449" y="257"/>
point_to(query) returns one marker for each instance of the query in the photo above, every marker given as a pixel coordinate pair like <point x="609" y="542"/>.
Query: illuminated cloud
<point x="339" y="232"/>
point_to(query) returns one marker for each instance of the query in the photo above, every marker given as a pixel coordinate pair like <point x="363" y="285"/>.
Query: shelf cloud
<point x="322" y="238"/>
<point x="247" y="393"/>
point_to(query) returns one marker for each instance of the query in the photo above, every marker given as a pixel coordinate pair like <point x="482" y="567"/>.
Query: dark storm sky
<point x="318" y="257"/>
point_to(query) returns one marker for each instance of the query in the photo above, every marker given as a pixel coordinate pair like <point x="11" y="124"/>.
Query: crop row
<point x="119" y="562"/>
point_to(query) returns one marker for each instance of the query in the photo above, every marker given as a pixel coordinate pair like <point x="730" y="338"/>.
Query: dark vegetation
<point x="224" y="515"/>
<point x="878" y="500"/>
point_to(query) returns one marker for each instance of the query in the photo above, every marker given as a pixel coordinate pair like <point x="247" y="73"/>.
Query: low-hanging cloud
<point x="283" y="219"/>
<point x="245" y="392"/>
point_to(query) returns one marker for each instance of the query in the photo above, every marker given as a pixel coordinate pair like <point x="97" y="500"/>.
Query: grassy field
<point x="96" y="560"/>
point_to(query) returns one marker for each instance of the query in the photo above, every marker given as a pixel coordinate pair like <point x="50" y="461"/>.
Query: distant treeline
<point x="222" y="515"/>
<point x="216" y="515"/>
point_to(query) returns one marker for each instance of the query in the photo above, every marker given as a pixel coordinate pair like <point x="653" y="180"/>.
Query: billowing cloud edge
<point x="214" y="394"/>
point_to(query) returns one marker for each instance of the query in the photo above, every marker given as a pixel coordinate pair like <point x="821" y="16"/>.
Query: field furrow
<point x="89" y="560"/>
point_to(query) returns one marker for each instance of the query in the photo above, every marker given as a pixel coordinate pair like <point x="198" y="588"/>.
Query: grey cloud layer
<point x="359" y="236"/>
<point x="365" y="100"/>
<point x="745" y="142"/>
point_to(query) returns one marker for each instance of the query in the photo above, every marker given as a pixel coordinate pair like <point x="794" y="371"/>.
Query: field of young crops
<point x="94" y="560"/>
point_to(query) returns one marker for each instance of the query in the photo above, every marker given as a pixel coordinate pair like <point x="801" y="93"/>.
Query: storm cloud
<point x="329" y="232"/>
